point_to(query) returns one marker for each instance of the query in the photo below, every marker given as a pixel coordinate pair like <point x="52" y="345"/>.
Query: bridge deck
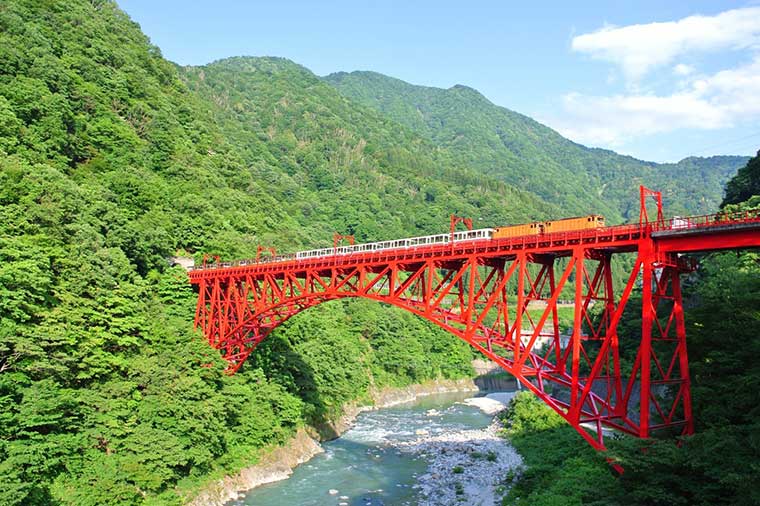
<point x="618" y="239"/>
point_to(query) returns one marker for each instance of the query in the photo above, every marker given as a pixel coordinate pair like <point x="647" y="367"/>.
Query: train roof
<point x="577" y="218"/>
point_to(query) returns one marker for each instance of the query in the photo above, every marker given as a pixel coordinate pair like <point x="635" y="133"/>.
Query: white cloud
<point x="641" y="48"/>
<point x="721" y="100"/>
<point x="683" y="70"/>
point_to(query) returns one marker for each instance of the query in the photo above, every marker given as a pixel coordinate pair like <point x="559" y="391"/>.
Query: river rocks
<point x="275" y="465"/>
<point x="491" y="403"/>
<point x="464" y="467"/>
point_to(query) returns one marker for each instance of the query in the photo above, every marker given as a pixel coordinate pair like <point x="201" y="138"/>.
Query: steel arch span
<point x="484" y="301"/>
<point x="503" y="297"/>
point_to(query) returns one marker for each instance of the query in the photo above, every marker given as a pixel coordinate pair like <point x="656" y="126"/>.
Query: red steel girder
<point x="503" y="297"/>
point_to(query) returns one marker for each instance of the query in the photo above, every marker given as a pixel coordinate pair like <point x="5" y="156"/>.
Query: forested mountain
<point x="336" y="165"/>
<point x="113" y="159"/>
<point x="531" y="156"/>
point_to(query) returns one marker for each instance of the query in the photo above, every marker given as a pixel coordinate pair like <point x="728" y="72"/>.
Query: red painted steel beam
<point x="692" y="241"/>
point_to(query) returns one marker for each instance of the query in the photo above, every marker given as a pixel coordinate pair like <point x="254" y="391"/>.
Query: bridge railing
<point x="438" y="248"/>
<point x="707" y="220"/>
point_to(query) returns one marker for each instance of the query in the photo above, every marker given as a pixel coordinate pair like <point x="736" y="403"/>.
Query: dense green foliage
<point x="719" y="464"/>
<point x="560" y="469"/>
<point x="109" y="164"/>
<point x="527" y="154"/>
<point x="745" y="184"/>
<point x="335" y="165"/>
<point x="113" y="159"/>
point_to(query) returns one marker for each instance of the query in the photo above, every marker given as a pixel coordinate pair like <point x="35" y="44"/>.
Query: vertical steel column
<point x="645" y="348"/>
<point x="556" y="340"/>
<point x="517" y="326"/>
<point x="578" y="258"/>
<point x="610" y="333"/>
<point x="682" y="350"/>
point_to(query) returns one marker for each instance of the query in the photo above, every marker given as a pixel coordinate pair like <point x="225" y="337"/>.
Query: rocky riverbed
<point x="465" y="466"/>
<point x="436" y="451"/>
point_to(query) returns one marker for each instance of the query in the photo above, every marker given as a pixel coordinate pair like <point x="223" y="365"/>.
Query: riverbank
<point x="277" y="463"/>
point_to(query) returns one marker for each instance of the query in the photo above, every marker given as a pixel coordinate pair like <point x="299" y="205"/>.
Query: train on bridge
<point x="525" y="229"/>
<point x="481" y="289"/>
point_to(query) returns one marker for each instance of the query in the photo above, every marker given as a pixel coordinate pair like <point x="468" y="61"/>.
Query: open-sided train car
<point x="428" y="240"/>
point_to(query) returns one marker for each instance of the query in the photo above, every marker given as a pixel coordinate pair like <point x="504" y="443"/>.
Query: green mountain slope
<point x="336" y="165"/>
<point x="523" y="152"/>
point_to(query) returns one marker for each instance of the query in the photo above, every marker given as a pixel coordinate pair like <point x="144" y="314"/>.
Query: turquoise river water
<point x="362" y="465"/>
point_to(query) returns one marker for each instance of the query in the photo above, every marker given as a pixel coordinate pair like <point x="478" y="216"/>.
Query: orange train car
<point x="535" y="228"/>
<point x="579" y="223"/>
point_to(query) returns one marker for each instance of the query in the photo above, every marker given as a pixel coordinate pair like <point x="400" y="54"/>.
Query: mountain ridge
<point x="336" y="77"/>
<point x="510" y="145"/>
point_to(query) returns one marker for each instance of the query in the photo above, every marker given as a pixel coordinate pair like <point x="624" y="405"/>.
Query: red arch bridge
<point x="480" y="291"/>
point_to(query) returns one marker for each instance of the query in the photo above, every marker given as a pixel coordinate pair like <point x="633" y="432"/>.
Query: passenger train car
<point x="526" y="229"/>
<point x="466" y="235"/>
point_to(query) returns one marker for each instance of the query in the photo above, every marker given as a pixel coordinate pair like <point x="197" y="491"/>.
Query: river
<point x="435" y="450"/>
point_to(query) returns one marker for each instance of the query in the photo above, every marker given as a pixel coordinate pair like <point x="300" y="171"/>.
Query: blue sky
<point x="606" y="74"/>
